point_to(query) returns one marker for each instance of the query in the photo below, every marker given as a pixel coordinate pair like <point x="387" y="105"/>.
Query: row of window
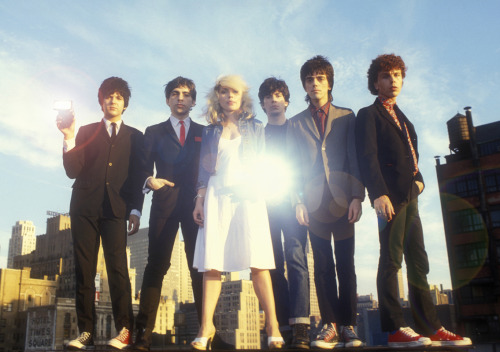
<point x="468" y="185"/>
<point x="489" y="148"/>
<point x="473" y="255"/>
<point x="468" y="220"/>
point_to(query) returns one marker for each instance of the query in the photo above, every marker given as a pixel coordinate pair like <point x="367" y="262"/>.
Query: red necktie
<point x="182" y="137"/>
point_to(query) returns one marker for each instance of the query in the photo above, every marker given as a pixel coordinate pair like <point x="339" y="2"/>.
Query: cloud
<point x="28" y="121"/>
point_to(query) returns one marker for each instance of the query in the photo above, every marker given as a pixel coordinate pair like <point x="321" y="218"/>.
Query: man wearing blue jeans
<point x="327" y="199"/>
<point x="292" y="297"/>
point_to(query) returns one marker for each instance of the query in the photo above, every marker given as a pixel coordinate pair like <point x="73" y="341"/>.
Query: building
<point x="237" y="313"/>
<point x="438" y="297"/>
<point x="53" y="254"/>
<point x="365" y="303"/>
<point x="469" y="184"/>
<point x="177" y="282"/>
<point x="401" y="286"/>
<point x="186" y="323"/>
<point x="48" y="272"/>
<point x="313" y="298"/>
<point x="18" y="293"/>
<point x="138" y="245"/>
<point x="22" y="241"/>
<point x="164" y="323"/>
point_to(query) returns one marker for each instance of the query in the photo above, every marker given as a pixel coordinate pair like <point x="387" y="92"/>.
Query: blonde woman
<point x="234" y="229"/>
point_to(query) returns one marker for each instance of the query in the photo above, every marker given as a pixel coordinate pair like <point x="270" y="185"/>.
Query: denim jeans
<point x="337" y="303"/>
<point x="292" y="297"/>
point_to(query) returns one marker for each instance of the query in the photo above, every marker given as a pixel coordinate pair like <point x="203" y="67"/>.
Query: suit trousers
<point x="162" y="233"/>
<point x="404" y="235"/>
<point x="291" y="296"/>
<point x="335" y="307"/>
<point x="87" y="232"/>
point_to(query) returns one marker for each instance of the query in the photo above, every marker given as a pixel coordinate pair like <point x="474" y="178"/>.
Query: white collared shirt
<point x="69" y="144"/>
<point x="177" y="125"/>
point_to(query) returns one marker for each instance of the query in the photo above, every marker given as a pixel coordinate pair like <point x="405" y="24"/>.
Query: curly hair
<point x="213" y="112"/>
<point x="271" y="85"/>
<point x="384" y="63"/>
<point x="317" y="65"/>
<point x="111" y="85"/>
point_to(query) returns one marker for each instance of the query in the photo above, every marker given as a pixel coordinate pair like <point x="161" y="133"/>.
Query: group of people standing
<point x="205" y="182"/>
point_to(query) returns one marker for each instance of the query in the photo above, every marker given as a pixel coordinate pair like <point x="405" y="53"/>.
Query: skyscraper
<point x="237" y="313"/>
<point x="22" y="241"/>
<point x="314" y="306"/>
<point x="177" y="282"/>
<point x="401" y="286"/>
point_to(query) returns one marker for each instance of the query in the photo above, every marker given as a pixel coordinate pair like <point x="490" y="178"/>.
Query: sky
<point x="64" y="50"/>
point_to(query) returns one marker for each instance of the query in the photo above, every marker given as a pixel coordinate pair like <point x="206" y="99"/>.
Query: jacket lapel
<point x="332" y="115"/>
<point x="103" y="133"/>
<point x="310" y="125"/>
<point x="171" y="132"/>
<point x="389" y="118"/>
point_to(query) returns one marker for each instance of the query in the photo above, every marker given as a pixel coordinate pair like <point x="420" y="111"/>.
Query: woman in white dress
<point x="230" y="210"/>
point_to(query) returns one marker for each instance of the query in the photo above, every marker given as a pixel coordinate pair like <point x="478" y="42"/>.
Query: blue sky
<point x="63" y="50"/>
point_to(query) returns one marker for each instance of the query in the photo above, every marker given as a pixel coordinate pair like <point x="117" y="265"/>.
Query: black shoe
<point x="83" y="342"/>
<point x="143" y="339"/>
<point x="301" y="337"/>
<point x="219" y="344"/>
<point x="287" y="336"/>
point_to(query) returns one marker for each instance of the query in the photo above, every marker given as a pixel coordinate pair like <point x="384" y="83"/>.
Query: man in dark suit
<point x="102" y="159"/>
<point x="388" y="157"/>
<point x="173" y="146"/>
<point x="328" y="200"/>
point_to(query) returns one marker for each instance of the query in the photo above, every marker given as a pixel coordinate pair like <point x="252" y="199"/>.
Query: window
<point x="67" y="325"/>
<point x="495" y="218"/>
<point x="492" y="180"/>
<point x="471" y="255"/>
<point x="464" y="186"/>
<point x="498" y="251"/>
<point x="489" y="148"/>
<point x="466" y="220"/>
<point x="471" y="294"/>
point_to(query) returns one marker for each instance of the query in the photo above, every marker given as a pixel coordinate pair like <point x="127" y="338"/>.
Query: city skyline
<point x="64" y="52"/>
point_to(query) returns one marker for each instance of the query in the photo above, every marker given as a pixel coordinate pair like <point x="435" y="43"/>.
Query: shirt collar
<point x="176" y="122"/>
<point x="108" y="124"/>
<point x="388" y="102"/>
<point x="325" y="108"/>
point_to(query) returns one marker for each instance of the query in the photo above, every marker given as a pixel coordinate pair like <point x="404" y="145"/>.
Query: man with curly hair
<point x="386" y="144"/>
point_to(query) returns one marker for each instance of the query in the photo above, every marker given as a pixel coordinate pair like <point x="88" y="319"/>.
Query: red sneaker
<point x="406" y="337"/>
<point x="443" y="337"/>
<point x="121" y="341"/>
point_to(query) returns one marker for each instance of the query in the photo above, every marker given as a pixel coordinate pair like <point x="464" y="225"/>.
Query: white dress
<point x="235" y="235"/>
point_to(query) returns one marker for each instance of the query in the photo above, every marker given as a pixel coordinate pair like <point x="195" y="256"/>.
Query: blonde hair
<point x="213" y="112"/>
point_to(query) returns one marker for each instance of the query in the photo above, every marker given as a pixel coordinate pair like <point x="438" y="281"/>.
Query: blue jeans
<point x="292" y="297"/>
<point x="335" y="307"/>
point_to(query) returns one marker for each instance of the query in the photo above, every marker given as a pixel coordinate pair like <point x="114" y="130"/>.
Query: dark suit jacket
<point x="101" y="168"/>
<point x="385" y="160"/>
<point x="174" y="163"/>
<point x="332" y="159"/>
